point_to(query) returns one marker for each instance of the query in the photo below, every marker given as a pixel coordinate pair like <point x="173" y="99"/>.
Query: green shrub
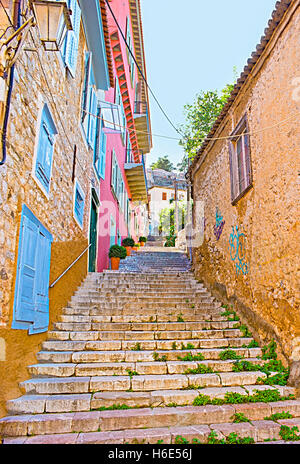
<point x="143" y="239"/>
<point x="117" y="251"/>
<point x="128" y="242"/>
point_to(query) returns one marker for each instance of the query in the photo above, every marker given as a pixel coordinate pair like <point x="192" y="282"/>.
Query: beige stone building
<point x="245" y="184"/>
<point x="161" y="191"/>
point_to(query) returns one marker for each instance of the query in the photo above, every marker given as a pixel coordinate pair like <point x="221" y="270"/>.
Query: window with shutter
<point x="240" y="161"/>
<point x="89" y="103"/>
<point x="44" y="150"/>
<point x="70" y="46"/>
<point x="79" y="200"/>
<point x="31" y="302"/>
<point x="100" y="148"/>
<point x="122" y="117"/>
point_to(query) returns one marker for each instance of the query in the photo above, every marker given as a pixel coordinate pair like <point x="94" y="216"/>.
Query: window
<point x="78" y="204"/>
<point x="164" y="196"/>
<point x="89" y="102"/>
<point x="112" y="231"/>
<point x="100" y="148"/>
<point x="117" y="183"/>
<point x="31" y="301"/>
<point x="240" y="161"/>
<point x="44" y="151"/>
<point x="119" y="102"/>
<point x="70" y="46"/>
<point x="129" y="55"/>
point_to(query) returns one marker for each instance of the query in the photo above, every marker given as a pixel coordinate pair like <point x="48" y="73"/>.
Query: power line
<point x="145" y="80"/>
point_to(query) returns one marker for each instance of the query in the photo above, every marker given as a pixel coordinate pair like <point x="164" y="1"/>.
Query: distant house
<point x="161" y="193"/>
<point x="246" y="190"/>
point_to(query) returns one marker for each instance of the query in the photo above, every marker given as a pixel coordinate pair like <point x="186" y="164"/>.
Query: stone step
<point x="98" y="377"/>
<point x="156" y="345"/>
<point x="146" y="326"/>
<point x="147" y="308"/>
<point x="57" y="403"/>
<point x="89" y="364"/>
<point x="144" y="425"/>
<point x="148" y="335"/>
<point x="151" y="316"/>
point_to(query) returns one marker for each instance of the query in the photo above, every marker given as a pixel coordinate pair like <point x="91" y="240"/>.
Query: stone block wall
<point x="267" y="296"/>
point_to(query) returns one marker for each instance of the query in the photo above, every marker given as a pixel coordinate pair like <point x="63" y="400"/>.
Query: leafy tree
<point x="200" y="117"/>
<point x="163" y="163"/>
<point x="167" y="218"/>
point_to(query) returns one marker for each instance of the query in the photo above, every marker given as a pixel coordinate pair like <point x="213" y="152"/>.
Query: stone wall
<point x="41" y="77"/>
<point x="267" y="297"/>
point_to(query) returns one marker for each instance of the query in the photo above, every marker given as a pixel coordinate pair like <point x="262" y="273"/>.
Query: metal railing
<point x="71" y="265"/>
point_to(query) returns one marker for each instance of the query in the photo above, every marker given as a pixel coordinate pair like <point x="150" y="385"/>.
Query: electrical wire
<point x="138" y="67"/>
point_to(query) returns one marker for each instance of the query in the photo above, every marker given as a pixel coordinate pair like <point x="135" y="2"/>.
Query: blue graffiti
<point x="238" y="251"/>
<point x="218" y="228"/>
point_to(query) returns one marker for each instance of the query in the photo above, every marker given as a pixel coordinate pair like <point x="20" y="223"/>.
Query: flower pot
<point x="135" y="248"/>
<point x="128" y="249"/>
<point x="142" y="243"/>
<point x="115" y="262"/>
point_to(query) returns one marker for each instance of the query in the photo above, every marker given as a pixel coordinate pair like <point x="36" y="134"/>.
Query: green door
<point x="93" y="237"/>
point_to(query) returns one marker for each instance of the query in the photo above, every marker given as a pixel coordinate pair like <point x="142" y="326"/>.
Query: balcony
<point x="137" y="181"/>
<point x="141" y="120"/>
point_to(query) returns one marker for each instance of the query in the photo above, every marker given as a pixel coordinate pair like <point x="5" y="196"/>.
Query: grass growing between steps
<point x="289" y="434"/>
<point x="264" y="396"/>
<point x="273" y="365"/>
<point x="191" y="357"/>
<point x="279" y="415"/>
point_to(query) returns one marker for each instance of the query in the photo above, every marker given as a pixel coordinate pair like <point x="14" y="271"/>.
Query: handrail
<point x="71" y="265"/>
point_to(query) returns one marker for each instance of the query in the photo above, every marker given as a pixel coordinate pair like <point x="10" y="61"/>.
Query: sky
<point x="190" y="46"/>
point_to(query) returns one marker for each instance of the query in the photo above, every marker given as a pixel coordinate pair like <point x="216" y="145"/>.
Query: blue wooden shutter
<point x="102" y="152"/>
<point x="41" y="317"/>
<point x="72" y="39"/>
<point x="86" y="91"/>
<point x="31" y="303"/>
<point x="79" y="204"/>
<point x="45" y="149"/>
<point x="93" y="118"/>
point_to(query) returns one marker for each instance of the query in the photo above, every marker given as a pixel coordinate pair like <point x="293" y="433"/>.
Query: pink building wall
<point x="109" y="204"/>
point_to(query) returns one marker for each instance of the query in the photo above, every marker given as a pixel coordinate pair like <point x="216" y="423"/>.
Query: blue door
<point x="31" y="303"/>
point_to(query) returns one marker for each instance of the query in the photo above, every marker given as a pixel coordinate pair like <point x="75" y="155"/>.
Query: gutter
<point x="17" y="23"/>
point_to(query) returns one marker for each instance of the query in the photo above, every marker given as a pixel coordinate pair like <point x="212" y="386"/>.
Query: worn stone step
<point x="88" y="375"/>
<point x="217" y="418"/>
<point x="91" y="366"/>
<point x="148" y="326"/>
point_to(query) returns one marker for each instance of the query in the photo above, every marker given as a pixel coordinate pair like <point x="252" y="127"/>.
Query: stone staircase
<point x="138" y="357"/>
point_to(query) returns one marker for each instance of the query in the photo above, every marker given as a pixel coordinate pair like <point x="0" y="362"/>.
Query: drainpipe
<point x="16" y="22"/>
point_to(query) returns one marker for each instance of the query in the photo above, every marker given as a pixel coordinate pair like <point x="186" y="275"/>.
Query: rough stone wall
<point x="268" y="296"/>
<point x="41" y="75"/>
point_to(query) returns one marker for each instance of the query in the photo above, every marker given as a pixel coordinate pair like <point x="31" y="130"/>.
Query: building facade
<point x="51" y="189"/>
<point x="124" y="109"/>
<point x="246" y="190"/>
<point x="161" y="190"/>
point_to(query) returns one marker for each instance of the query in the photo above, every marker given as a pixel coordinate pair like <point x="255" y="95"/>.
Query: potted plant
<point x="128" y="243"/>
<point x="142" y="241"/>
<point x="116" y="253"/>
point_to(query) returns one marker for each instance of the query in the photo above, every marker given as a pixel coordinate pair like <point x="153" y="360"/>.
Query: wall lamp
<point x="53" y="20"/>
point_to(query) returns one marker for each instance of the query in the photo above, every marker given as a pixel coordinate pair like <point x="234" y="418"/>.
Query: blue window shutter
<point x="79" y="204"/>
<point x="112" y="231"/>
<point x="86" y="96"/>
<point x="93" y="119"/>
<point x="72" y="39"/>
<point x="45" y="149"/>
<point x="31" y="311"/>
<point x="41" y="319"/>
<point x="102" y="153"/>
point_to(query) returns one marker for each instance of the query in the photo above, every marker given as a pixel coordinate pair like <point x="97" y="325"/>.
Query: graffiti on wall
<point x="237" y="247"/>
<point x="218" y="227"/>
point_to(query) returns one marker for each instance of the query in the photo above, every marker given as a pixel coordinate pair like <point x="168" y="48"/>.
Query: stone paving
<point x="129" y="357"/>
